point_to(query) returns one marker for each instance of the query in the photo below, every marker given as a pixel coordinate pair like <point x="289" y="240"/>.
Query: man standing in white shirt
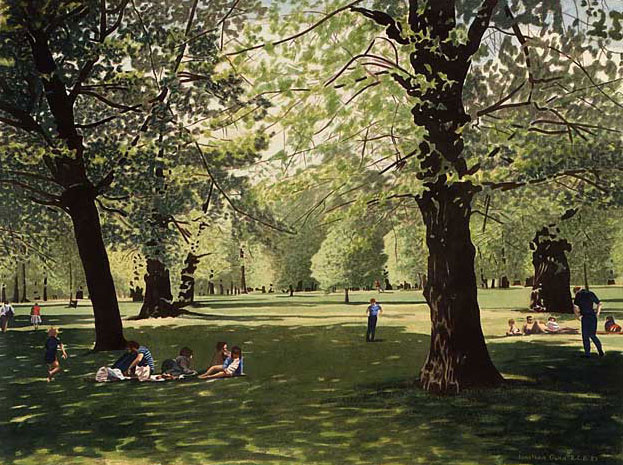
<point x="6" y="312"/>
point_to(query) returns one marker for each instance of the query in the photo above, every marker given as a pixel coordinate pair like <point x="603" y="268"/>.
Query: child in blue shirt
<point x="52" y="345"/>
<point x="232" y="366"/>
<point x="373" y="312"/>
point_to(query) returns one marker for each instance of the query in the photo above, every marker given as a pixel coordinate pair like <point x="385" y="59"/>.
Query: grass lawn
<point x="315" y="393"/>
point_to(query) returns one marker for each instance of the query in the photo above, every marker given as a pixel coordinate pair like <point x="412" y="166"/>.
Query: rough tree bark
<point x="458" y="357"/>
<point x="79" y="194"/>
<point x="552" y="276"/>
<point x="158" y="301"/>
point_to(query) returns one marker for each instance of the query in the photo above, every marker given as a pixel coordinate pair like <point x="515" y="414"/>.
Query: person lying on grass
<point x="232" y="366"/>
<point x="513" y="330"/>
<point x="533" y="326"/>
<point x="181" y="365"/>
<point x="52" y="345"/>
<point x="219" y="357"/>
<point x="554" y="328"/>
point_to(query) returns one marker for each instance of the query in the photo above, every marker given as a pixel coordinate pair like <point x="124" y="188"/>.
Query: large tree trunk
<point x="158" y="301"/>
<point x="458" y="357"/>
<point x="88" y="233"/>
<point x="551" y="273"/>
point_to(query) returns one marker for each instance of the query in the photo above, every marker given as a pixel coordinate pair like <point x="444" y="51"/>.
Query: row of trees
<point x="383" y="117"/>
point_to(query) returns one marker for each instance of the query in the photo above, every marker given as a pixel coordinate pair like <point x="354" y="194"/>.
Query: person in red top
<point x="35" y="315"/>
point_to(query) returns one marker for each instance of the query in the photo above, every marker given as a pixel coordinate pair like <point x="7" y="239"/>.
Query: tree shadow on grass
<point x="312" y="395"/>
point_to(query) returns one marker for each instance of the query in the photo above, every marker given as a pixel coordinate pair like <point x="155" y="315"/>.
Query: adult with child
<point x="218" y="359"/>
<point x="6" y="313"/>
<point x="513" y="330"/>
<point x="232" y="366"/>
<point x="373" y="311"/>
<point x="52" y="345"/>
<point x="584" y="311"/>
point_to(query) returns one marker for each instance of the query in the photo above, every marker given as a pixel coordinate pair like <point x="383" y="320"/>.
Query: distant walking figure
<point x="583" y="309"/>
<point x="373" y="311"/>
<point x="6" y="313"/>
<point x="35" y="315"/>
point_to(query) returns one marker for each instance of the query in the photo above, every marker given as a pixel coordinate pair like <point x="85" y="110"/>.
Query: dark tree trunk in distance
<point x="80" y="201"/>
<point x="504" y="282"/>
<point x="16" y="288"/>
<point x="187" y="286"/>
<point x="458" y="357"/>
<point x="158" y="301"/>
<point x="346" y="299"/>
<point x="24" y="293"/>
<point x="3" y="292"/>
<point x="45" y="287"/>
<point x="551" y="271"/>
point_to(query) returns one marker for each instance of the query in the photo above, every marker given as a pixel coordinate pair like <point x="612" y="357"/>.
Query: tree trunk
<point x="24" y="294"/>
<point x="80" y="202"/>
<point x="3" y="292"/>
<point x="158" y="301"/>
<point x="187" y="286"/>
<point x="551" y="273"/>
<point x="16" y="287"/>
<point x="458" y="357"/>
<point x="243" y="280"/>
<point x="346" y="300"/>
<point x="45" y="287"/>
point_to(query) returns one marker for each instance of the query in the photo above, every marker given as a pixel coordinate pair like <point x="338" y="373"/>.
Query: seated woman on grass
<point x="610" y="326"/>
<point x="232" y="366"/>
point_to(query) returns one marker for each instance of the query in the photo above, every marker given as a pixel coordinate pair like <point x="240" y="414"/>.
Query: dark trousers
<point x="371" y="328"/>
<point x="589" y="333"/>
<point x="124" y="362"/>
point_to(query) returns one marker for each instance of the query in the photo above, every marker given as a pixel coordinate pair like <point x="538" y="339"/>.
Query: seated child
<point x="180" y="366"/>
<point x="219" y="357"/>
<point x="611" y="326"/>
<point x="52" y="345"/>
<point x="232" y="366"/>
<point x="513" y="330"/>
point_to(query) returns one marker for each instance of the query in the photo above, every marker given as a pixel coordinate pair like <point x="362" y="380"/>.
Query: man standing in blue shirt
<point x="373" y="312"/>
<point x="583" y="309"/>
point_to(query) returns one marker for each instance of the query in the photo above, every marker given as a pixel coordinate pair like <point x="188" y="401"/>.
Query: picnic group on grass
<point x="584" y="309"/>
<point x="138" y="363"/>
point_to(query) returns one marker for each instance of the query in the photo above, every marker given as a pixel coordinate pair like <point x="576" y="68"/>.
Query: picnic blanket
<point x="113" y="375"/>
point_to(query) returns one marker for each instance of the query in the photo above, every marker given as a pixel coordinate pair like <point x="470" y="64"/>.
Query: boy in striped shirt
<point x="143" y="357"/>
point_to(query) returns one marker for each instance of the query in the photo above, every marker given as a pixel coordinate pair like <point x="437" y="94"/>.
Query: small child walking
<point x="52" y="345"/>
<point x="35" y="315"/>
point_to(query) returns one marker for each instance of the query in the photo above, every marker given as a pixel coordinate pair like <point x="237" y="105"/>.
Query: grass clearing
<point x="315" y="393"/>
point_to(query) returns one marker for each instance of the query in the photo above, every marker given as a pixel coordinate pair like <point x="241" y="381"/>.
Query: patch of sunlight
<point x="337" y="434"/>
<point x="27" y="381"/>
<point x="79" y="449"/>
<point x="18" y="406"/>
<point x="25" y="417"/>
<point x="247" y="342"/>
<point x="335" y="380"/>
<point x="617" y="419"/>
<point x="124" y="442"/>
<point x="586" y="395"/>
<point x="375" y="363"/>
<point x="321" y="379"/>
<point x="534" y="417"/>
<point x="203" y="442"/>
<point x="206" y="393"/>
<point x="518" y="377"/>
<point x="393" y="357"/>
